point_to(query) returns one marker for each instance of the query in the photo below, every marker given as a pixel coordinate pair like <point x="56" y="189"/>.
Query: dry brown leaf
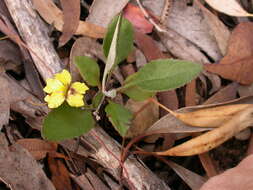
<point x="188" y="22"/>
<point x="240" y="43"/>
<point x="145" y="115"/>
<point x="10" y="55"/>
<point x="148" y="46"/>
<point x="170" y="124"/>
<point x="52" y="15"/>
<point x="59" y="174"/>
<point x="214" y="138"/>
<point x="214" y="79"/>
<point x="223" y="95"/>
<point x="17" y="163"/>
<point x="71" y="13"/>
<point x="37" y="147"/>
<point x="192" y="179"/>
<point x="245" y="90"/>
<point x="231" y="7"/>
<point x="239" y="71"/>
<point x="217" y="28"/>
<point x="102" y="12"/>
<point x="190" y="94"/>
<point x="137" y="18"/>
<point x="208" y="117"/>
<point x="237" y="63"/>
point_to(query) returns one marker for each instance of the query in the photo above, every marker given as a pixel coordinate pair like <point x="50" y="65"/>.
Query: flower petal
<point x="64" y="77"/>
<point x="53" y="85"/>
<point x="79" y="87"/>
<point x="75" y="100"/>
<point x="55" y="99"/>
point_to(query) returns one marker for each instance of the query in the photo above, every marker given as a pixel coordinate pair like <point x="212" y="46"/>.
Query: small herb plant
<point x="74" y="117"/>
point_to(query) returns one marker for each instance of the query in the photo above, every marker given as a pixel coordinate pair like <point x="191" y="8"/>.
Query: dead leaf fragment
<point x="214" y="138"/>
<point x="208" y="117"/>
<point x="146" y="114"/>
<point x="194" y="180"/>
<point x="217" y="28"/>
<point x="188" y="22"/>
<point x="237" y="63"/>
<point x="223" y="95"/>
<point x="137" y="18"/>
<point x="239" y="71"/>
<point x="60" y="175"/>
<point x="170" y="124"/>
<point x="240" y="43"/>
<point x="102" y="12"/>
<point x="231" y="7"/>
<point x="37" y="147"/>
<point x="53" y="15"/>
<point x="190" y="94"/>
<point x="148" y="46"/>
<point x="17" y="163"/>
<point x="71" y="14"/>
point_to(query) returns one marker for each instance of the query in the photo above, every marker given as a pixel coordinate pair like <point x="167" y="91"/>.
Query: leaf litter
<point x="210" y="40"/>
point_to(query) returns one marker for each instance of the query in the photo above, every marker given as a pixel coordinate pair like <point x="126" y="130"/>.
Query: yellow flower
<point x="60" y="88"/>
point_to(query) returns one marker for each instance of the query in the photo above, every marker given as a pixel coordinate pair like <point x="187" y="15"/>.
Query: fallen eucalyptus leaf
<point x="210" y="117"/>
<point x="214" y="138"/>
<point x="170" y="124"/>
<point x="71" y="14"/>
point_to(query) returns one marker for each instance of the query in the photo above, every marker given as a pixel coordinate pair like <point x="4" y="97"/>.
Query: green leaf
<point x="66" y="122"/>
<point x="138" y="94"/>
<point x="125" y="39"/>
<point x="97" y="99"/>
<point x="164" y="74"/>
<point x="88" y="69"/>
<point x="119" y="116"/>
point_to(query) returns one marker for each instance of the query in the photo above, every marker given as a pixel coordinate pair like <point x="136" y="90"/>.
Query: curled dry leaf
<point x="209" y="117"/>
<point x="214" y="138"/>
<point x="170" y="124"/>
<point x="231" y="7"/>
<point x="52" y="15"/>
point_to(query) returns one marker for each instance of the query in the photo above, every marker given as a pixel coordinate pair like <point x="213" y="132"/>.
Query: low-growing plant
<point x="75" y="117"/>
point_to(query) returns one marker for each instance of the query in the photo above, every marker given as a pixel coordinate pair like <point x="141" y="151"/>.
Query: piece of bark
<point x="35" y="34"/>
<point x="139" y="176"/>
